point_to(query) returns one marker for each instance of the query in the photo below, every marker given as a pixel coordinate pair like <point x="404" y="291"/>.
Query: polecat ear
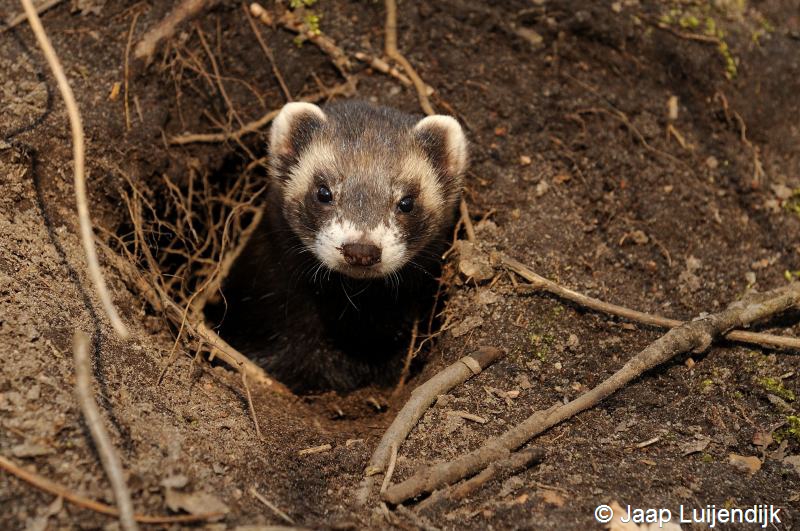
<point x="293" y="128"/>
<point x="445" y="144"/>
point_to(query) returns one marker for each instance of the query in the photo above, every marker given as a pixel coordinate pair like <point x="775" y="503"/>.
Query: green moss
<point x="790" y="431"/>
<point x="775" y="386"/>
<point x="707" y="458"/>
<point x="707" y="385"/>
<point x="793" y="203"/>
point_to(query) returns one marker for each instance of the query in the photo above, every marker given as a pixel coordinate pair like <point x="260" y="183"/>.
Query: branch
<point x="102" y="441"/>
<point x="696" y="335"/>
<point x="345" y="88"/>
<point x="165" y="29"/>
<point x="538" y="282"/>
<point x="392" y="52"/>
<point x="87" y="235"/>
<point x="421" y="399"/>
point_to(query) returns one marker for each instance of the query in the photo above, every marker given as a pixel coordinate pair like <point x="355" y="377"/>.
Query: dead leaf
<point x="470" y="323"/>
<point x="750" y="464"/>
<point x="472" y="263"/>
<point x="552" y="497"/>
<point x="762" y="438"/>
<point x="486" y="297"/>
<point x="195" y="503"/>
<point x="700" y="443"/>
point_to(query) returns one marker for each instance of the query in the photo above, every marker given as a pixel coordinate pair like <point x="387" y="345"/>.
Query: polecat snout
<point x="366" y="188"/>
<point x="360" y="209"/>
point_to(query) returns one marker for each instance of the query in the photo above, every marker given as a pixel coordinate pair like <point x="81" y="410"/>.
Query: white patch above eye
<point x="319" y="155"/>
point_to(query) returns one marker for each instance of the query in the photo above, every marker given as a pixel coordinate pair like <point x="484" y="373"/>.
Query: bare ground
<point x="607" y="203"/>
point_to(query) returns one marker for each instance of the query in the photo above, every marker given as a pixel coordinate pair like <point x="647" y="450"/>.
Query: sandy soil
<point x="576" y="175"/>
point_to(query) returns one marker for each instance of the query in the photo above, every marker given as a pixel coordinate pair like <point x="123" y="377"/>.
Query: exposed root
<point x="538" y="282"/>
<point x="102" y="442"/>
<point x="513" y="464"/>
<point x="344" y="89"/>
<point x="85" y="221"/>
<point x="688" y="337"/>
<point x="410" y="354"/>
<point x="147" y="45"/>
<point x="390" y="48"/>
<point x="290" y="21"/>
<point x="55" y="489"/>
<point x="16" y="20"/>
<point x="421" y="399"/>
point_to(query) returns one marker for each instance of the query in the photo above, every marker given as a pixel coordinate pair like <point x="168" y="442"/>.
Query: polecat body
<point x="361" y="205"/>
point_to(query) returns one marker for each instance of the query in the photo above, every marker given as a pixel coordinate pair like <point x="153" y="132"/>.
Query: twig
<point x="538" y="282"/>
<point x="256" y="125"/>
<point x="55" y="489"/>
<point x="102" y="441"/>
<point x="708" y="39"/>
<point x="421" y="398"/>
<point x="272" y="507"/>
<point x="147" y="45"/>
<point x="218" y="347"/>
<point x="401" y="382"/>
<point x="16" y="20"/>
<point x="696" y="335"/>
<point x="465" y="218"/>
<point x="126" y="70"/>
<point x="513" y="464"/>
<point x="290" y="21"/>
<point x="382" y="66"/>
<point x="250" y="405"/>
<point x="390" y="48"/>
<point x="268" y="52"/>
<point x="387" y="478"/>
<point x="87" y="235"/>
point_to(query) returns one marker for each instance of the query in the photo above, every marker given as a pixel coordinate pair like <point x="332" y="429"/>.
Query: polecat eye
<point x="406" y="204"/>
<point x="324" y="194"/>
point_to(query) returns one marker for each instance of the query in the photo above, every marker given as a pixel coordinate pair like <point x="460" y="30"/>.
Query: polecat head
<point x="366" y="188"/>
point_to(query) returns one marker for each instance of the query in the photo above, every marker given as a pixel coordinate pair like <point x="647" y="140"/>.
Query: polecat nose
<point x="361" y="254"/>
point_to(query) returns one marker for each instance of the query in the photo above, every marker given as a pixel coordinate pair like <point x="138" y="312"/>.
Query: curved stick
<point x="691" y="336"/>
<point x="421" y="399"/>
<point x="538" y="282"/>
<point x="87" y="234"/>
<point x="102" y="441"/>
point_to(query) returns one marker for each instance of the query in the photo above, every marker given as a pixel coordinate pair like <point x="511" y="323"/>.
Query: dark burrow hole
<point x="312" y="329"/>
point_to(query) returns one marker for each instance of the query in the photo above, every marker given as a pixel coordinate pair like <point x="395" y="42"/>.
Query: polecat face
<point x="366" y="189"/>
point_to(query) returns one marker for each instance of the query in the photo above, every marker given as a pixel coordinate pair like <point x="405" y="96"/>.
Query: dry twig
<point x="165" y="29"/>
<point x="102" y="441"/>
<point x="421" y="398"/>
<point x="538" y="282"/>
<point x="55" y="489"/>
<point x="696" y="335"/>
<point x="87" y="235"/>
<point x="16" y="20"/>
<point x="271" y="506"/>
<point x="513" y="464"/>
<point x="345" y="88"/>
<point x="390" y="48"/>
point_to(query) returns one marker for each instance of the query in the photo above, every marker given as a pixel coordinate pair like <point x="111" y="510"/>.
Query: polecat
<point x="346" y="256"/>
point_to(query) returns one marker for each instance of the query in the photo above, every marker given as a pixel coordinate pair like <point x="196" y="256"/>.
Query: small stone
<point x="712" y="163"/>
<point x="542" y="188"/>
<point x="525" y="160"/>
